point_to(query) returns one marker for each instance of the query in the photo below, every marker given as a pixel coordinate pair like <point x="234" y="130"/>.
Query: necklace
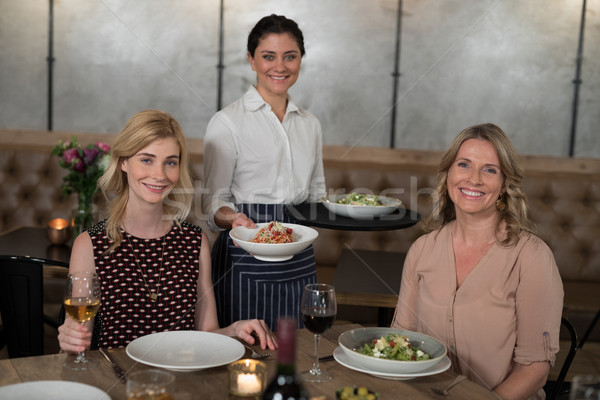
<point x="152" y="294"/>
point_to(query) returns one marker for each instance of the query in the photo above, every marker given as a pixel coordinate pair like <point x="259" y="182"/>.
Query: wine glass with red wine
<point x="318" y="309"/>
<point x="81" y="302"/>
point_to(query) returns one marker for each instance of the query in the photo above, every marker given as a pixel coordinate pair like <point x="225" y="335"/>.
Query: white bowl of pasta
<point x="271" y="241"/>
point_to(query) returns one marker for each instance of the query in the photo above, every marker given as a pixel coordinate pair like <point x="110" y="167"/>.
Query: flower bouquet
<point x="85" y="165"/>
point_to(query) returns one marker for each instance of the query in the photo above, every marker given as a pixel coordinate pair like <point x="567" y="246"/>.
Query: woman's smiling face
<point x="475" y="180"/>
<point x="153" y="171"/>
<point x="277" y="62"/>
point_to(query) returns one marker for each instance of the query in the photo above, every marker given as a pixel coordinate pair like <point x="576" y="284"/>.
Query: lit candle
<point x="248" y="384"/>
<point x="59" y="223"/>
<point x="59" y="231"/>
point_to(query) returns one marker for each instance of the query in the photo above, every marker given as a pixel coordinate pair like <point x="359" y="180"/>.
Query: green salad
<point x="359" y="199"/>
<point x="394" y="347"/>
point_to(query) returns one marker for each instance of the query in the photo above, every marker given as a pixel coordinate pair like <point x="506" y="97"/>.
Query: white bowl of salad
<point x="274" y="241"/>
<point x="360" y="205"/>
<point x="390" y="350"/>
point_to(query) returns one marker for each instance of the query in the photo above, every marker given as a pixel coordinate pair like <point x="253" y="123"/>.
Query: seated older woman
<point x="482" y="281"/>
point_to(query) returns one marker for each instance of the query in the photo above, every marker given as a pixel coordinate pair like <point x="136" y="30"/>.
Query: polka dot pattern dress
<point x="134" y="270"/>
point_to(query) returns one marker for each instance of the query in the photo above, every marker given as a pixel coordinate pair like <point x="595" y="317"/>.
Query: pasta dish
<point x="274" y="232"/>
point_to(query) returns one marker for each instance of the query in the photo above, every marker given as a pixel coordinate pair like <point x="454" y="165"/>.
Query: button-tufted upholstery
<point x="563" y="194"/>
<point x="30" y="179"/>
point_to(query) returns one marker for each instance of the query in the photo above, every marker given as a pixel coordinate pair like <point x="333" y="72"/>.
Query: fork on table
<point x="255" y="355"/>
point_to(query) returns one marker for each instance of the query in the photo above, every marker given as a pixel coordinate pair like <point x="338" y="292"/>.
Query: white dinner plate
<point x="353" y="340"/>
<point x="303" y="237"/>
<point x="185" y="350"/>
<point x="347" y="362"/>
<point x="52" y="390"/>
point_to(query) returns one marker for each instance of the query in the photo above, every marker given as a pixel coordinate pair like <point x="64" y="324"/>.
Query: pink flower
<point x="85" y="165"/>
<point x="79" y="166"/>
<point x="89" y="155"/>
<point x="71" y="157"/>
<point x="105" y="147"/>
<point x="70" y="154"/>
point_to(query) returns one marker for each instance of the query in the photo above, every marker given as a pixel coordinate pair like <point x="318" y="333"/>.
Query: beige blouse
<point x="506" y="311"/>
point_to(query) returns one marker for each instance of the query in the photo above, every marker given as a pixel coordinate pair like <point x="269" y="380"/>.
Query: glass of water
<point x="585" y="387"/>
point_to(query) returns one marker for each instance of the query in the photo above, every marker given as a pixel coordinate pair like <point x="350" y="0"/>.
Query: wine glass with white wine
<point x="81" y="302"/>
<point x="318" y="308"/>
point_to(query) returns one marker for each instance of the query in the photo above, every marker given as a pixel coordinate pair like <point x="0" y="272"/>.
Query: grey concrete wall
<point x="463" y="62"/>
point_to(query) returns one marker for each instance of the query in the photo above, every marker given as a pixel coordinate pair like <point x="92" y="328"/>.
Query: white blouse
<point x="252" y="157"/>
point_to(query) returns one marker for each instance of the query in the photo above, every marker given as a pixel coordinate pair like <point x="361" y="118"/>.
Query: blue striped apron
<point x="247" y="288"/>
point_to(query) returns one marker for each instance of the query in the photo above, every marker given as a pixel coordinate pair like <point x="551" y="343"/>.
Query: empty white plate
<point x="185" y="350"/>
<point x="52" y="390"/>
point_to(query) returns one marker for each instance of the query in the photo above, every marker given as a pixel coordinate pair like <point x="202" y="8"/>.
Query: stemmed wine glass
<point x="81" y="302"/>
<point x="318" y="308"/>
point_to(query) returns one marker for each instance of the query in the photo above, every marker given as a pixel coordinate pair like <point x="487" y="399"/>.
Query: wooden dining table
<point x="212" y="383"/>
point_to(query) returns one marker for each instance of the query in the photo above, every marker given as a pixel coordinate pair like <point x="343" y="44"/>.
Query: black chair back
<point x="21" y="305"/>
<point x="556" y="388"/>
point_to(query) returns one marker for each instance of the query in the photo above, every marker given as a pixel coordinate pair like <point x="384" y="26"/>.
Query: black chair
<point x="558" y="387"/>
<point x="589" y="330"/>
<point x="21" y="305"/>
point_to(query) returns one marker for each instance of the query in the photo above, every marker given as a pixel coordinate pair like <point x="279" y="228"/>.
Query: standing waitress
<point x="260" y="153"/>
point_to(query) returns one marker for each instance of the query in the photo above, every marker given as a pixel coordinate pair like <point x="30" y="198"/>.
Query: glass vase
<point x="83" y="218"/>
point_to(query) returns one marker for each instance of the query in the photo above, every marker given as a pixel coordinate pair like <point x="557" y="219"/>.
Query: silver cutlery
<point x="255" y="355"/>
<point x="326" y="358"/>
<point x="444" y="391"/>
<point x="118" y="370"/>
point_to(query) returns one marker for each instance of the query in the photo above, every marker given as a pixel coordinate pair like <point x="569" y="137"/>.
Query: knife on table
<point x="118" y="370"/>
<point x="326" y="358"/>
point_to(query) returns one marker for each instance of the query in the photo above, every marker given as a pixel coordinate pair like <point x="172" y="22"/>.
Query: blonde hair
<point x="512" y="205"/>
<point x="140" y="131"/>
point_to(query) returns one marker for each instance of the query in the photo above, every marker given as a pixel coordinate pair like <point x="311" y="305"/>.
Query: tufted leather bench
<point x="563" y="194"/>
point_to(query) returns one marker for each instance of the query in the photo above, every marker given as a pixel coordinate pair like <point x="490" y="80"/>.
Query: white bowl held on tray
<point x="353" y="340"/>
<point x="388" y="206"/>
<point x="302" y="237"/>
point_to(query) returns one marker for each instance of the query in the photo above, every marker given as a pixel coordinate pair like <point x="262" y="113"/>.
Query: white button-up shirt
<point x="252" y="157"/>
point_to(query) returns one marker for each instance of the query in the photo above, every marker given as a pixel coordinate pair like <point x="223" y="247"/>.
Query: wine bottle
<point x="285" y="385"/>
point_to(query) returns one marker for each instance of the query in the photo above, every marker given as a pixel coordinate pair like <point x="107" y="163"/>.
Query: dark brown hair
<point x="274" y="24"/>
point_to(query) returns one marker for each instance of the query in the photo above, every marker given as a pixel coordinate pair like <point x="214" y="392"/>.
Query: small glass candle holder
<point x="149" y="384"/>
<point x="247" y="379"/>
<point x="59" y="231"/>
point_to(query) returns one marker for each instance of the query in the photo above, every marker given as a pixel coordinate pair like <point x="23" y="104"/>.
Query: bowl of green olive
<point x="355" y="393"/>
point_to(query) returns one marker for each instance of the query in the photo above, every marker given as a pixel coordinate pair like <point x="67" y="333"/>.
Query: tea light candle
<point x="247" y="379"/>
<point x="248" y="384"/>
<point x="59" y="231"/>
<point x="59" y="223"/>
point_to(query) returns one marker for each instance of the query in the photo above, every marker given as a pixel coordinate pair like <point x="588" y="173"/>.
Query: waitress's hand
<point x="242" y="219"/>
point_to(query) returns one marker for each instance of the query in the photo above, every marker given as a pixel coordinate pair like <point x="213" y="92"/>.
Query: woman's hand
<point x="227" y="218"/>
<point x="248" y="329"/>
<point x="242" y="219"/>
<point x="74" y="337"/>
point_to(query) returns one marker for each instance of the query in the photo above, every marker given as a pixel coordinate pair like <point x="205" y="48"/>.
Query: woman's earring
<point x="500" y="203"/>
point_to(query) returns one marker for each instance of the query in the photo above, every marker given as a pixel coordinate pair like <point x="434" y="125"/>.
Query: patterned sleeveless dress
<point x="133" y="271"/>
